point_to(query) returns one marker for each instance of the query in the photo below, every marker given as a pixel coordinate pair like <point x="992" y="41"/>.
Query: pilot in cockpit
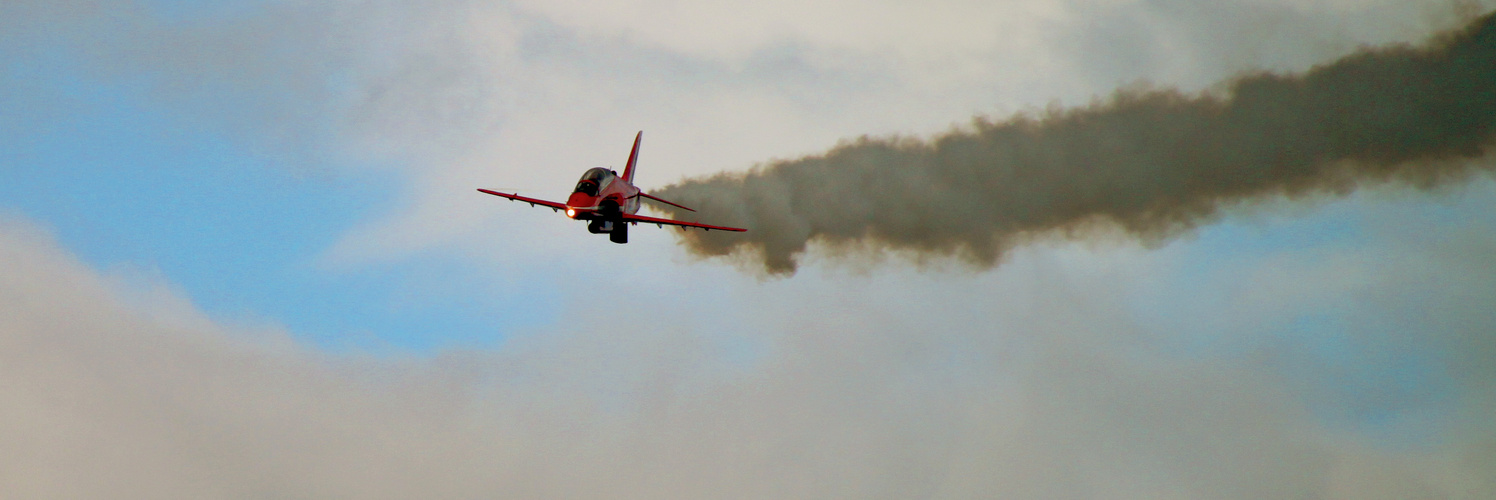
<point x="591" y="181"/>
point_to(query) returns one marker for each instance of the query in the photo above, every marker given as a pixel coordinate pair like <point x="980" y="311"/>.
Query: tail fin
<point x="628" y="171"/>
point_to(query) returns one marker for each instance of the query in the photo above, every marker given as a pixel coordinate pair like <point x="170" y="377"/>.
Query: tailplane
<point x="661" y="200"/>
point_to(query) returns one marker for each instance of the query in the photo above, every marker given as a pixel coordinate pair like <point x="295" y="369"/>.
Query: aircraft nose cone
<point x="580" y="200"/>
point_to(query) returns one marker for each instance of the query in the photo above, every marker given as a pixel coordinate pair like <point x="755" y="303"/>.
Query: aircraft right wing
<point x="683" y="224"/>
<point x="532" y="201"/>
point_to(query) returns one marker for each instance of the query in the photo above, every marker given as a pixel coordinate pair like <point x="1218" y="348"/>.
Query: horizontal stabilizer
<point x="677" y="205"/>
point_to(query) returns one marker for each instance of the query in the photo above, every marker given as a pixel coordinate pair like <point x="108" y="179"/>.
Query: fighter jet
<point x="609" y="202"/>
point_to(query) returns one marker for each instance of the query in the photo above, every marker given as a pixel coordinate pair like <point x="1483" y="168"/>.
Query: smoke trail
<point x="1154" y="162"/>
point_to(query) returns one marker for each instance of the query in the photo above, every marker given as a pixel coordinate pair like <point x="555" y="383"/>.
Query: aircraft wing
<point x="659" y="222"/>
<point x="532" y="201"/>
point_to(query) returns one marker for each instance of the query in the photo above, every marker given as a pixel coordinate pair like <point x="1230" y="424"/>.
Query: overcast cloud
<point x="1334" y="349"/>
<point x="1040" y="383"/>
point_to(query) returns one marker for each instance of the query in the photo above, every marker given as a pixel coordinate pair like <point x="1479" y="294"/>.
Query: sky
<point x="242" y="256"/>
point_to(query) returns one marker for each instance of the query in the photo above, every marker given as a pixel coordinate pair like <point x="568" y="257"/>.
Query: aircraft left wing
<point x="532" y="201"/>
<point x="683" y="224"/>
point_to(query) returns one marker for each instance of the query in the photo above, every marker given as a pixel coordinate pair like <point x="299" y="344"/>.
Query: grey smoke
<point x="1153" y="162"/>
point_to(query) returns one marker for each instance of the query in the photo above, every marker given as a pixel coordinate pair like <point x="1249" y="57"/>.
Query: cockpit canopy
<point x="592" y="180"/>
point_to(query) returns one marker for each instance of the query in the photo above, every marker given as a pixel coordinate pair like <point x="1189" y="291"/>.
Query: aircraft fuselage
<point x="603" y="197"/>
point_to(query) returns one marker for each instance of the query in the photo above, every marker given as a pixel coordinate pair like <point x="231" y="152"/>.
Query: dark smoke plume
<point x="1152" y="162"/>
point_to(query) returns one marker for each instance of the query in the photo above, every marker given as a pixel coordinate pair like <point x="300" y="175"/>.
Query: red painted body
<point x="610" y="202"/>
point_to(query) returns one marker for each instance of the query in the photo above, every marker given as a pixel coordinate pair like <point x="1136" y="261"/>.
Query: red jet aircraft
<point x="609" y="202"/>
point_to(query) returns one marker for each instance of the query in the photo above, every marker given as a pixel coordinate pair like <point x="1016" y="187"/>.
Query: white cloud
<point x="1036" y="380"/>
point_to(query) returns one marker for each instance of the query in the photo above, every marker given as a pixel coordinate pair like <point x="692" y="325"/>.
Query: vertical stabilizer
<point x="628" y="171"/>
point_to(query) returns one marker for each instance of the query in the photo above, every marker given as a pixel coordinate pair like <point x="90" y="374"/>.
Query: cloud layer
<point x="1360" y="367"/>
<point x="121" y="389"/>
